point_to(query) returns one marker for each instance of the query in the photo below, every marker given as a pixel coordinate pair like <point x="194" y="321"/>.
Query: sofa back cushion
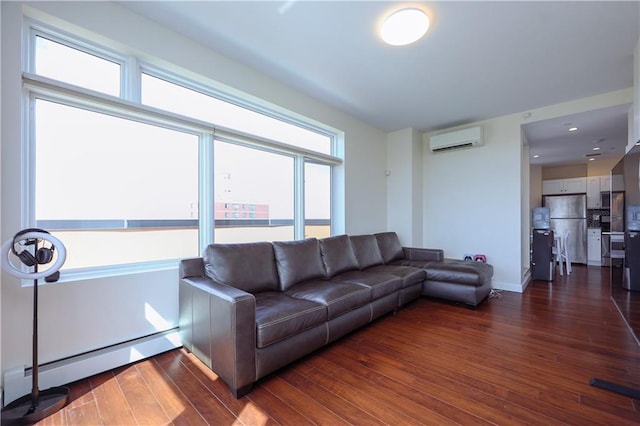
<point x="366" y="250"/>
<point x="248" y="266"/>
<point x="338" y="255"/>
<point x="390" y="247"/>
<point x="298" y="261"/>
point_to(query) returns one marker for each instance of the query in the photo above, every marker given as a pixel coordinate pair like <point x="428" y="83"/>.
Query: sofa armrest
<point x="218" y="324"/>
<point x="413" y="253"/>
<point x="193" y="267"/>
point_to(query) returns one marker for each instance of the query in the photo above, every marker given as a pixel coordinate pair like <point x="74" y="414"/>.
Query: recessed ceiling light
<point x="573" y="129"/>
<point x="404" y="27"/>
<point x="591" y="159"/>
<point x="596" y="148"/>
<point x="536" y="156"/>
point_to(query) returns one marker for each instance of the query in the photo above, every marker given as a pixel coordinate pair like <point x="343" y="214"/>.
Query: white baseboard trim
<point x="516" y="288"/>
<point x="18" y="382"/>
<point x="526" y="279"/>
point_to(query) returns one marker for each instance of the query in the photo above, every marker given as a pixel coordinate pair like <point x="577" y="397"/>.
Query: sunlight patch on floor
<point x="252" y="414"/>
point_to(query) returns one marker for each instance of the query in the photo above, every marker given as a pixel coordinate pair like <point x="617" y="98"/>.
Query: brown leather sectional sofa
<point x="249" y="309"/>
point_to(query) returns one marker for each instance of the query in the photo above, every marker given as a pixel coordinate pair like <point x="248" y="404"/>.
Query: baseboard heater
<point x="17" y="382"/>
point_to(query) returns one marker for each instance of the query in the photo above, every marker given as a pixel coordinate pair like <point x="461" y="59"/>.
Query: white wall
<point x="80" y="316"/>
<point x="633" y="116"/>
<point x="404" y="186"/>
<point x="472" y="200"/>
<point x="535" y="180"/>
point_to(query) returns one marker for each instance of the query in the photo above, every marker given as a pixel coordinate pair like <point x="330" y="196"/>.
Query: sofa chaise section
<point x="454" y="280"/>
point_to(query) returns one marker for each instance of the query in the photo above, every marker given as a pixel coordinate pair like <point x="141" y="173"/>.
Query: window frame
<point x="43" y="89"/>
<point x="36" y="29"/>
<point x="255" y="105"/>
<point x="129" y="107"/>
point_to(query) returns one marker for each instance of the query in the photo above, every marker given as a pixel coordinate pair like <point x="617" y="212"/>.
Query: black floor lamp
<point x="32" y="252"/>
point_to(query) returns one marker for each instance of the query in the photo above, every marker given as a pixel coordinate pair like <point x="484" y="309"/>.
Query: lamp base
<point x="21" y="412"/>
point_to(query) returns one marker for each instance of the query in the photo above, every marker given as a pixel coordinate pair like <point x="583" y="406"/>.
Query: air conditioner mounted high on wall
<point x="464" y="138"/>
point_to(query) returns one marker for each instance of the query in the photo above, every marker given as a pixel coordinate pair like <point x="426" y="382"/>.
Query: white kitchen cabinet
<point x="564" y="186"/>
<point x="551" y="187"/>
<point x="594" y="200"/>
<point x="594" y="247"/>
<point x="596" y="185"/>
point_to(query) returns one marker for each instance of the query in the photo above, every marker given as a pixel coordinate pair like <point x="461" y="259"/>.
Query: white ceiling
<point x="479" y="60"/>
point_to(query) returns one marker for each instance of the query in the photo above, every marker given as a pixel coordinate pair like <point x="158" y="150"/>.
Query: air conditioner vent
<point x="447" y="148"/>
<point x="464" y="138"/>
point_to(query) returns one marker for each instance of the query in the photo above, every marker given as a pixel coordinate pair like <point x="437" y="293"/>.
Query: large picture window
<point x="115" y="191"/>
<point x="254" y="195"/>
<point x="144" y="166"/>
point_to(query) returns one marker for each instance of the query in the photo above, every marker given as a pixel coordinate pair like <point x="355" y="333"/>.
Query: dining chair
<point x="561" y="251"/>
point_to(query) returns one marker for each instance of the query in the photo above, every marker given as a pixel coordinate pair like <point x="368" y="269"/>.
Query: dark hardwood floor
<point x="518" y="359"/>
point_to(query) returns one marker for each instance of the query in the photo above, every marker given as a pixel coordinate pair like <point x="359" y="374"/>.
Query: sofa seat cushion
<point x="380" y="284"/>
<point x="407" y="274"/>
<point x="279" y="316"/>
<point x="338" y="297"/>
<point x="460" y="272"/>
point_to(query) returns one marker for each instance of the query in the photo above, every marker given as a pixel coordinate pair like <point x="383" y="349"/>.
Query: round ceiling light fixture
<point x="404" y="26"/>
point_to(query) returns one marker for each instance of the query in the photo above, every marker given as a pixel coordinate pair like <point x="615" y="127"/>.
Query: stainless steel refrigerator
<point x="569" y="212"/>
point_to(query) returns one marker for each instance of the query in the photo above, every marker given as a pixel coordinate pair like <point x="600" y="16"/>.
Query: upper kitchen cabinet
<point x="564" y="186"/>
<point x="596" y="185"/>
<point x="594" y="200"/>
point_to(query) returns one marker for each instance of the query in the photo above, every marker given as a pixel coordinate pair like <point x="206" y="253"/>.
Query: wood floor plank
<point x="111" y="401"/>
<point x="518" y="359"/>
<point x="174" y="402"/>
<point x="351" y="413"/>
<point x="246" y="411"/>
<point x="439" y="393"/>
<point x="279" y="410"/>
<point x="144" y="406"/>
<point x="206" y="403"/>
<point x="299" y="400"/>
<point x="85" y="414"/>
<point x="372" y="397"/>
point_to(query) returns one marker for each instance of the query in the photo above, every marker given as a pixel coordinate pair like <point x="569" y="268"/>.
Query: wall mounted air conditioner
<point x="458" y="139"/>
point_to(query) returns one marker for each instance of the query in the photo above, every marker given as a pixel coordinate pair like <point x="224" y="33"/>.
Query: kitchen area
<point x="570" y="225"/>
<point x="571" y="158"/>
<point x="581" y="207"/>
<point x="597" y="217"/>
